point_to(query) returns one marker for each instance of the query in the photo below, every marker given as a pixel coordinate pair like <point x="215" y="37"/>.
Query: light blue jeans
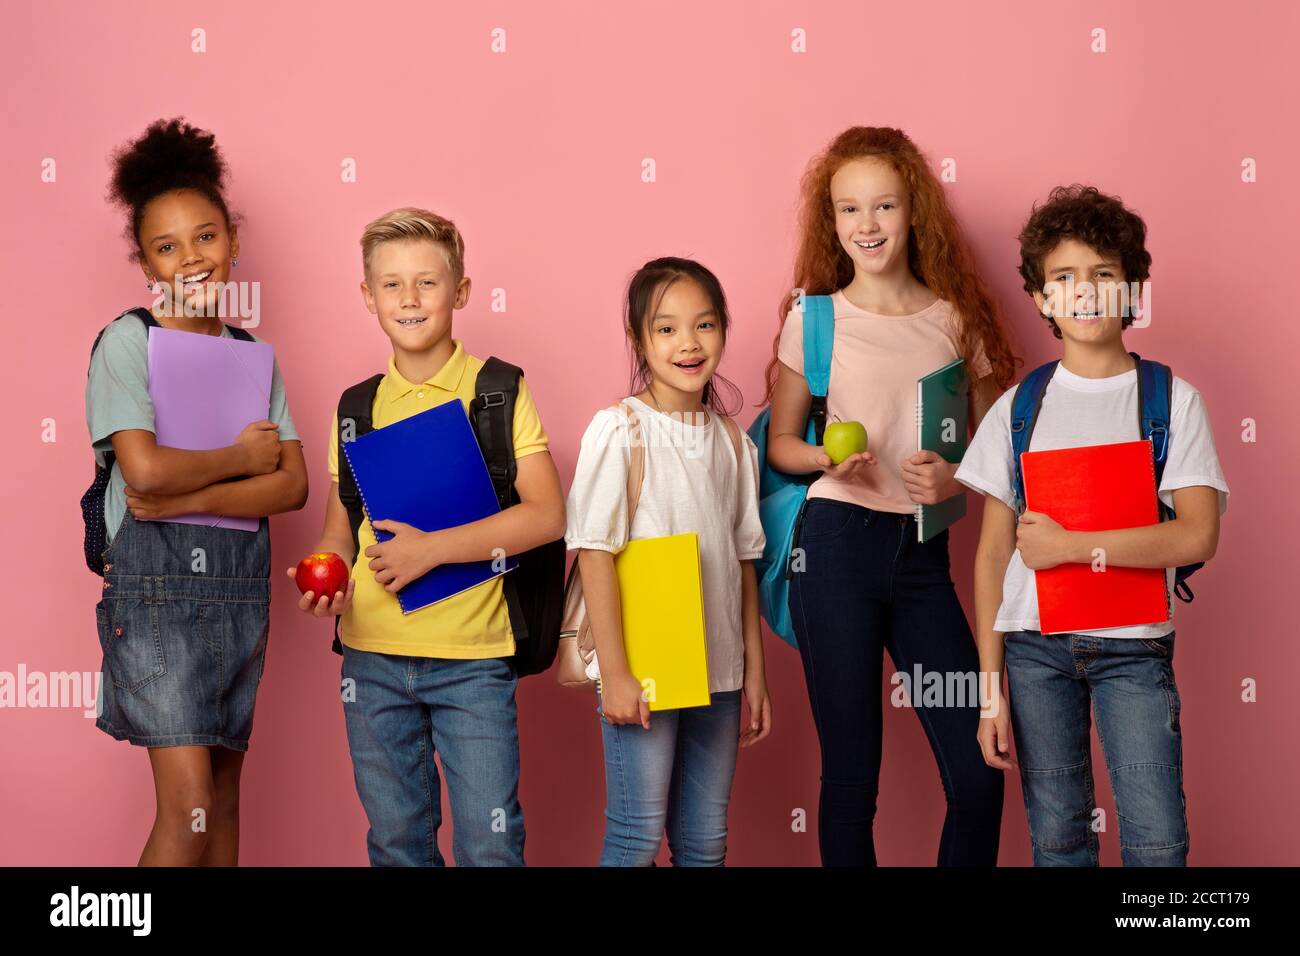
<point x="675" y="776"/>
<point x="1057" y="682"/>
<point x="405" y="710"/>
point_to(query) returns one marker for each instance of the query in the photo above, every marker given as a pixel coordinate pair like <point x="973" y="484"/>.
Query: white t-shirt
<point x="1078" y="412"/>
<point x="692" y="483"/>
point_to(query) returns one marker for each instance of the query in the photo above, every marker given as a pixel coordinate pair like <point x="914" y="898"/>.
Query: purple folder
<point x="205" y="390"/>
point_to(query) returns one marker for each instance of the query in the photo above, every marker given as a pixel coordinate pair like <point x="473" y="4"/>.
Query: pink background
<point x="536" y="155"/>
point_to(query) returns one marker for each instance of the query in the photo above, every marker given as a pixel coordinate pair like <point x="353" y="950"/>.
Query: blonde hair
<point x="408" y="224"/>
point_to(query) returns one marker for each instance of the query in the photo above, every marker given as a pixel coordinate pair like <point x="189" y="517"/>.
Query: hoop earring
<point x="152" y="286"/>
<point x="234" y="262"/>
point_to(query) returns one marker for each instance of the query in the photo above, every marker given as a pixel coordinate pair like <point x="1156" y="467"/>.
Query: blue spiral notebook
<point x="428" y="471"/>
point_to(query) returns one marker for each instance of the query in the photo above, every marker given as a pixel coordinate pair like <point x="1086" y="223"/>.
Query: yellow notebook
<point x="663" y="619"/>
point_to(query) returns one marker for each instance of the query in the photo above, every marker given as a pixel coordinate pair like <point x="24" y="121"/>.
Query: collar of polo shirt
<point x="447" y="378"/>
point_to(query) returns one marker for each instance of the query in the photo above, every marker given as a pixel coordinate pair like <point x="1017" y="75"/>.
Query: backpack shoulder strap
<point x="1155" y="412"/>
<point x="636" y="469"/>
<point x="1155" y="396"/>
<point x="818" y="338"/>
<point x="144" y="315"/>
<point x="737" y="444"/>
<point x="240" y="333"/>
<point x="1025" y="406"/>
<point x="818" y="341"/>
<point x="493" y="414"/>
<point x="356" y="405"/>
<point x="1155" y="382"/>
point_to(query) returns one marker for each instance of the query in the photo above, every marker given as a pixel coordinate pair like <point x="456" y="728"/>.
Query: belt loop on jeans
<point x="154" y="589"/>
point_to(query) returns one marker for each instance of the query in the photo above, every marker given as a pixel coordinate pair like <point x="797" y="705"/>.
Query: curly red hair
<point x="936" y="251"/>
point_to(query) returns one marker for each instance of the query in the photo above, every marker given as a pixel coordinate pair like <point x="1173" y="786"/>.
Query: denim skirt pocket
<point x="133" y="649"/>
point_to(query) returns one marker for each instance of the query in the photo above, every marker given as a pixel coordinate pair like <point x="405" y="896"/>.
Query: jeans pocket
<point x="1160" y="645"/>
<point x="824" y="520"/>
<point x="133" y="644"/>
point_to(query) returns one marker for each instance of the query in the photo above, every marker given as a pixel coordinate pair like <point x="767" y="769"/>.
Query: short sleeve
<point x="117" y="389"/>
<point x="332" y="449"/>
<point x="597" y="505"/>
<point x="279" y="412"/>
<point x="789" y="349"/>
<point x="1193" y="459"/>
<point x="529" y="436"/>
<point x="749" y="536"/>
<point x="987" y="466"/>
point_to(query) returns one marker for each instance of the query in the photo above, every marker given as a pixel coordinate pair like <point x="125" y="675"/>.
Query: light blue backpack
<point x="781" y="496"/>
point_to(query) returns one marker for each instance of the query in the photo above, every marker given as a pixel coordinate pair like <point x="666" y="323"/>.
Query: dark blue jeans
<point x="868" y="586"/>
<point x="1057" y="681"/>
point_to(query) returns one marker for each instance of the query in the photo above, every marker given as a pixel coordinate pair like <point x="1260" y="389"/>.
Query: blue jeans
<point x="676" y="774"/>
<point x="1056" y="682"/>
<point x="404" y="710"/>
<point x="868" y="586"/>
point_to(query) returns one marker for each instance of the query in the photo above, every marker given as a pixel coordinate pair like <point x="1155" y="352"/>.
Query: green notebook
<point x="941" y="428"/>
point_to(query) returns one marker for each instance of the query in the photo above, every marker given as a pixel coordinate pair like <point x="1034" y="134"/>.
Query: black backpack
<point x="92" y="502"/>
<point x="534" y="590"/>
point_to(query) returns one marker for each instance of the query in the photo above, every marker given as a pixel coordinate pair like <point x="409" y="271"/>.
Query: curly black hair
<point x="1091" y="217"/>
<point x="171" y="155"/>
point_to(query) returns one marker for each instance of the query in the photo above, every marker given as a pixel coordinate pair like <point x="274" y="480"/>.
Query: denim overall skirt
<point x="183" y="624"/>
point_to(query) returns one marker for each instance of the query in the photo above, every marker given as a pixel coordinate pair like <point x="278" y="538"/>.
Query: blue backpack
<point x="1155" y="398"/>
<point x="781" y="497"/>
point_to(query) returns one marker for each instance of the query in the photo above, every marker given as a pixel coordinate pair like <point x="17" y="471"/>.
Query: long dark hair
<point x="644" y="293"/>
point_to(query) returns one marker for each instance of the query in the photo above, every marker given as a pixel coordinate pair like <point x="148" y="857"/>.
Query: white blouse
<point x="693" y="483"/>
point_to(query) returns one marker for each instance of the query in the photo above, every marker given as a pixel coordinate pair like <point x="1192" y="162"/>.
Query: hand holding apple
<point x="843" y="439"/>
<point x="326" y="587"/>
<point x="843" y="453"/>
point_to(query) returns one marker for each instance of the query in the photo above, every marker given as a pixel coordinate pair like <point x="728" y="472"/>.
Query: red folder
<point x="1098" y="488"/>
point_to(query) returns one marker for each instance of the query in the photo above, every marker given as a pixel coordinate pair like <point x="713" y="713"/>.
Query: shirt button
<point x="419" y="394"/>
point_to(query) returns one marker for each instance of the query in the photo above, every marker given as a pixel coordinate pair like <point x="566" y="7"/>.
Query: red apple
<point x="323" y="573"/>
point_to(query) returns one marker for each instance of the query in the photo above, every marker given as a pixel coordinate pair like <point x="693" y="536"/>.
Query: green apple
<point x="843" y="439"/>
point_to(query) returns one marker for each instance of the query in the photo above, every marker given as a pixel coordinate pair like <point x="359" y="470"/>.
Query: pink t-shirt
<point x="875" y="363"/>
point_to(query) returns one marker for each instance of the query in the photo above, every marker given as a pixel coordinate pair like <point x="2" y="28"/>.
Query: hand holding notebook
<point x="205" y="390"/>
<point x="662" y="598"/>
<point x="1096" y="488"/>
<point x="428" y="471"/>
<point x="941" y="428"/>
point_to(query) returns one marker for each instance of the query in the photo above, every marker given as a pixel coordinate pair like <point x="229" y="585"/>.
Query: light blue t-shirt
<point x="117" y="398"/>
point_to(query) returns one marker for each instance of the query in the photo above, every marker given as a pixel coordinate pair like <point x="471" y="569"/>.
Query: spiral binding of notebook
<point x="453" y="489"/>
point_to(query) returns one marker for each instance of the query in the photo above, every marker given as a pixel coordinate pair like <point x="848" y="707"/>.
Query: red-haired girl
<point x="877" y="235"/>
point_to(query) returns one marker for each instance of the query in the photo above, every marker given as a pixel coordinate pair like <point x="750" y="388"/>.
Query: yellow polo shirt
<point x="467" y="626"/>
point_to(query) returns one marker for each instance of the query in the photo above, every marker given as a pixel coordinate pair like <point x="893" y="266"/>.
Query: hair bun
<point x="170" y="155"/>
